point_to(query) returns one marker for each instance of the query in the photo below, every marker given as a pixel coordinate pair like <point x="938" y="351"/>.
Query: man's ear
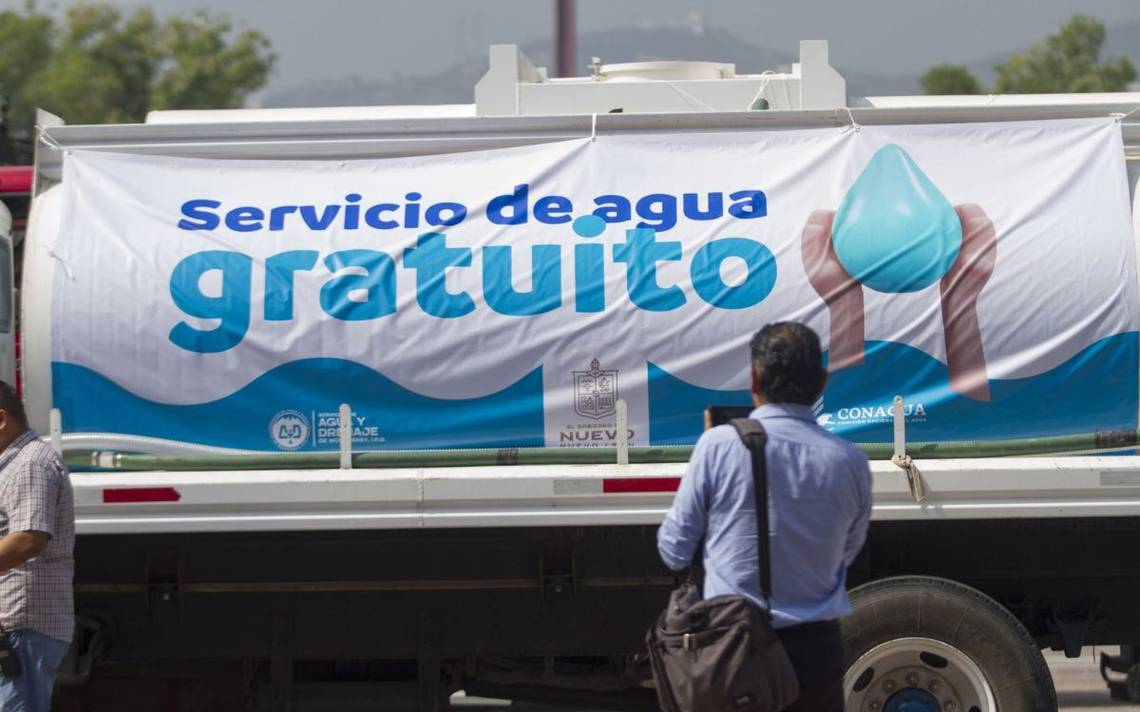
<point x="755" y="380"/>
<point x="822" y="383"/>
<point x="5" y="420"/>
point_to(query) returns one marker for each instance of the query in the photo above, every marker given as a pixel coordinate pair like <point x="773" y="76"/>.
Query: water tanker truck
<point x="366" y="406"/>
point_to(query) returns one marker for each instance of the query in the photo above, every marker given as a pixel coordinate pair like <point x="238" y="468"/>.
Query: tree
<point x="100" y="64"/>
<point x="950" y="79"/>
<point x="205" y="72"/>
<point x="1068" y="61"/>
<point x="25" y="38"/>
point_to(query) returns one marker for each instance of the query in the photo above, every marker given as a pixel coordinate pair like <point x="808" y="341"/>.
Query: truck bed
<point x="562" y="495"/>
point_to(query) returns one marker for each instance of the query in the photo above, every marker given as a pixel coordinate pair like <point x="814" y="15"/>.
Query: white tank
<point x="35" y="304"/>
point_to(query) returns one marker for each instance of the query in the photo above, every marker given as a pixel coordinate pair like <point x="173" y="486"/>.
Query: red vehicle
<point x="16" y="194"/>
<point x="15" y="199"/>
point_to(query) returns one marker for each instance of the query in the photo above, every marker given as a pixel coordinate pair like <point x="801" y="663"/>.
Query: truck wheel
<point x="925" y="644"/>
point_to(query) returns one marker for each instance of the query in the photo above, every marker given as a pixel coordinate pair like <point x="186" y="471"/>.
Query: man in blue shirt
<point x="819" y="508"/>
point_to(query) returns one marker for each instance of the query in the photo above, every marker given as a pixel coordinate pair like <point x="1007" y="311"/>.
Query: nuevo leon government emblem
<point x="595" y="392"/>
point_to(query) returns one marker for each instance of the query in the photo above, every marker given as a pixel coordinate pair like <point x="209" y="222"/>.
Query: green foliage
<point x="1068" y="61"/>
<point x="25" y="38"/>
<point x="101" y="67"/>
<point x="205" y="71"/>
<point x="950" y="79"/>
<point x="102" y="64"/>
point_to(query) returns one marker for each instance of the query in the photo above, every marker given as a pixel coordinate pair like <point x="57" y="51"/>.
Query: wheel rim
<point x="917" y="675"/>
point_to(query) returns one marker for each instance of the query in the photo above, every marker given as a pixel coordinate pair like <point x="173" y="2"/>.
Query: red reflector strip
<point x="134" y="495"/>
<point x="627" y="485"/>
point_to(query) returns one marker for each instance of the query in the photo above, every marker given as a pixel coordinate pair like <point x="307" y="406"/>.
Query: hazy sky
<point x="377" y="38"/>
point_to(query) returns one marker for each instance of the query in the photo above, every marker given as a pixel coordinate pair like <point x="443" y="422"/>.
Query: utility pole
<point x="565" y="34"/>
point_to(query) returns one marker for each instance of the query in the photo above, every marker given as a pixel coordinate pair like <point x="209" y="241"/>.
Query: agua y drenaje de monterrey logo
<point x="289" y="429"/>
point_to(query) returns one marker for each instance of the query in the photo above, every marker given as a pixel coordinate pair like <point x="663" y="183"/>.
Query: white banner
<point x="508" y="298"/>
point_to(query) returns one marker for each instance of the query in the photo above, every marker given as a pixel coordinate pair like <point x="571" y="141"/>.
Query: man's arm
<point x="684" y="525"/>
<point x="18" y="547"/>
<point x="857" y="533"/>
<point x="30" y="495"/>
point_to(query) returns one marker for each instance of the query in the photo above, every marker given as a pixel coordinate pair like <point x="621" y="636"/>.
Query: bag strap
<point x="754" y="438"/>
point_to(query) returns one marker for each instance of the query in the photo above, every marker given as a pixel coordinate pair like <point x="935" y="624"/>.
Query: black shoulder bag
<point x="721" y="654"/>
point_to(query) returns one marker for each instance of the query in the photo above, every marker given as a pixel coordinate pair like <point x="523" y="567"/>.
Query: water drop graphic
<point x="894" y="230"/>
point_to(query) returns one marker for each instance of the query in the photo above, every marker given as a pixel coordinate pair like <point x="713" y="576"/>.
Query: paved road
<point x="1079" y="687"/>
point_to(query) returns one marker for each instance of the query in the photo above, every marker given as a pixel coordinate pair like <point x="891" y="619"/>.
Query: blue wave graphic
<point x="1095" y="390"/>
<point x="512" y="417"/>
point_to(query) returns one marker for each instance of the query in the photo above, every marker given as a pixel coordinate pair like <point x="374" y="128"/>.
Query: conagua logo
<point x="595" y="392"/>
<point x="868" y="415"/>
<point x="289" y="429"/>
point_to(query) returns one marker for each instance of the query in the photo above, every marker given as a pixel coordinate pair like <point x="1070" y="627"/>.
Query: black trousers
<point x="816" y="651"/>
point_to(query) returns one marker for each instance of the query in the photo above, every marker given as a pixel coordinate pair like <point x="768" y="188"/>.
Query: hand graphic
<point x="840" y="291"/>
<point x="960" y="289"/>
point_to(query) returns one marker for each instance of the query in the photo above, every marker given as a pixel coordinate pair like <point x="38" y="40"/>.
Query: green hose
<point x="375" y="459"/>
<point x="387" y="459"/>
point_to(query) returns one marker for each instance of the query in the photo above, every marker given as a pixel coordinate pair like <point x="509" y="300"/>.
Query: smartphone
<point x="720" y="414"/>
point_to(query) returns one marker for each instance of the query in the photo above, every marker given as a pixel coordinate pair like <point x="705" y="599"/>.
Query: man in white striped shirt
<point x="37" y="538"/>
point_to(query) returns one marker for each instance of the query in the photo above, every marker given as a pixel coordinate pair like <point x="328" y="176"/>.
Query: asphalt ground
<point x="1078" y="682"/>
<point x="1079" y="685"/>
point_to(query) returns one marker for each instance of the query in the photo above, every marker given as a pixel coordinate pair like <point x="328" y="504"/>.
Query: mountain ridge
<point x="456" y="84"/>
<point x="637" y="44"/>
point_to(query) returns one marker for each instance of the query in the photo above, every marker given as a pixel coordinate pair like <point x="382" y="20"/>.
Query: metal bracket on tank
<point x="345" y="436"/>
<point x="621" y="436"/>
<point x="55" y="431"/>
<point x="900" y="458"/>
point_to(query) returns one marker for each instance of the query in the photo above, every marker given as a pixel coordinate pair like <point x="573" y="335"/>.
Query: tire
<point x="925" y="640"/>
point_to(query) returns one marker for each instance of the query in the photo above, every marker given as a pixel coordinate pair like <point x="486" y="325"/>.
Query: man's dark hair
<point x="11" y="404"/>
<point x="789" y="361"/>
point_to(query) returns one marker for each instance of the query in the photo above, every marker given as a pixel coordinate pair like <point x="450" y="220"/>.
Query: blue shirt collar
<point x="784" y="410"/>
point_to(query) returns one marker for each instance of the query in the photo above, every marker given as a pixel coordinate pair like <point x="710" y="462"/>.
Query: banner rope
<point x="593" y="127"/>
<point x="765" y="80"/>
<point x="854" y="124"/>
<point x="692" y="101"/>
<point x="1121" y="117"/>
<point x="47" y="139"/>
<point x="57" y="258"/>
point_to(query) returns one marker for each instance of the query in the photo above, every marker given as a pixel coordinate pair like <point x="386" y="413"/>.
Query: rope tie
<point x="1121" y="117"/>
